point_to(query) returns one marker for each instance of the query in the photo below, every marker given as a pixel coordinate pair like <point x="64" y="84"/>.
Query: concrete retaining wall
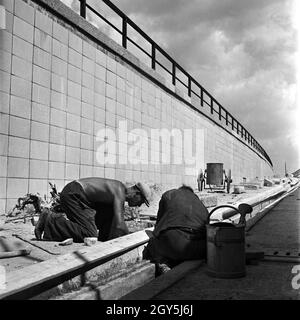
<point x="62" y="80"/>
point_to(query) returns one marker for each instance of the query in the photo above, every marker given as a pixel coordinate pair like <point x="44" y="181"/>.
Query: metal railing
<point x="192" y="87"/>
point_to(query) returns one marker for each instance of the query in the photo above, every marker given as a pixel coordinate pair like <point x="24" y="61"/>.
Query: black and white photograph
<point x="149" y="153"/>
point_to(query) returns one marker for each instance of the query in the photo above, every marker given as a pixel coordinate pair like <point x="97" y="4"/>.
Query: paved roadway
<point x="278" y="232"/>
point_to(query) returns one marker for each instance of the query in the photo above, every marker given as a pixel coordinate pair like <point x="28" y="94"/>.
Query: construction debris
<point x="66" y="242"/>
<point x="15" y="253"/>
<point x="90" y="241"/>
<point x="250" y="186"/>
<point x="276" y="180"/>
<point x="34" y="200"/>
<point x="238" y="189"/>
<point x="31" y="205"/>
<point x="268" y="183"/>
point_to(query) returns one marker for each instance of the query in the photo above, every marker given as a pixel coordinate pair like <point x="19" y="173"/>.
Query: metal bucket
<point x="225" y="250"/>
<point x="214" y="174"/>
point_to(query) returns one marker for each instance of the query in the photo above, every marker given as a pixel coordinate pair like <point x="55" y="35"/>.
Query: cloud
<point x="242" y="51"/>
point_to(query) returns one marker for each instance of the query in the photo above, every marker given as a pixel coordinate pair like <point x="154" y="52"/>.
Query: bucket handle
<point x="242" y="209"/>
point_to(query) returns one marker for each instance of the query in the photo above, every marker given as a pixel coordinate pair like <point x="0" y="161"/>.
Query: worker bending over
<point x="91" y="204"/>
<point x="180" y="232"/>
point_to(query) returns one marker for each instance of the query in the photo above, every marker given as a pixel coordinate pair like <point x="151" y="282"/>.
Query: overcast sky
<point x="243" y="52"/>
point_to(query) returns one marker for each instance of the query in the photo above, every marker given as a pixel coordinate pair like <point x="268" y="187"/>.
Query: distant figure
<point x="91" y="204"/>
<point x="180" y="232"/>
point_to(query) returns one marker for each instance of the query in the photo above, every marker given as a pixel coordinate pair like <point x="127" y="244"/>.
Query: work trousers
<point x="80" y="222"/>
<point x="173" y="246"/>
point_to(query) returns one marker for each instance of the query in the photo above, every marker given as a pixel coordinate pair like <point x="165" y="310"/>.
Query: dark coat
<point x="180" y="208"/>
<point x="180" y="232"/>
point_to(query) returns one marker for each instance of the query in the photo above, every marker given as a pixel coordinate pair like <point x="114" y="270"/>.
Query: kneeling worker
<point x="91" y="204"/>
<point x="180" y="232"/>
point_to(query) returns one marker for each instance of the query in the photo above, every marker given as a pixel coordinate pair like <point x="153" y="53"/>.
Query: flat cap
<point x="145" y="192"/>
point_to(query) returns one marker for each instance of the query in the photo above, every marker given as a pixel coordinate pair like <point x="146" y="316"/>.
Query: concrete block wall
<point x="58" y="88"/>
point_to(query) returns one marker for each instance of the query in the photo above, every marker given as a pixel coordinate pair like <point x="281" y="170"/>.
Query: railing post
<point x="124" y="33"/>
<point x="220" y="113"/>
<point x="211" y="105"/>
<point x="173" y="73"/>
<point x="189" y="86"/>
<point x="201" y="95"/>
<point x="232" y="124"/>
<point x="153" y="56"/>
<point x="83" y="8"/>
<point x="238" y="128"/>
<point x="226" y="118"/>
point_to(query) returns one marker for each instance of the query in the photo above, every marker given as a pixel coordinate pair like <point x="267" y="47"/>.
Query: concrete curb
<point x="116" y="286"/>
<point x="163" y="282"/>
<point x="252" y="220"/>
<point x="225" y="213"/>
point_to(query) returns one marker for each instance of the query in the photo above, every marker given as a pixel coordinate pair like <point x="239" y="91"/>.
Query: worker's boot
<point x="40" y="225"/>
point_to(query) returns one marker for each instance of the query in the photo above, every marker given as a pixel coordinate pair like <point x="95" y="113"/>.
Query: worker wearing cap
<point x="180" y="232"/>
<point x="91" y="204"/>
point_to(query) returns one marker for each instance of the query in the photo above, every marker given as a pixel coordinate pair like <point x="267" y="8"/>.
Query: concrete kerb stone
<point x="253" y="219"/>
<point x="97" y="277"/>
<point x="224" y="214"/>
<point x="114" y="287"/>
<point x="163" y="282"/>
<point x="268" y="183"/>
<point x="237" y="189"/>
<point x="253" y="185"/>
<point x="276" y="180"/>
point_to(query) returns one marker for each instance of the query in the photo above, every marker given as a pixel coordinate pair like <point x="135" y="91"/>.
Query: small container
<point x="226" y="250"/>
<point x="90" y="241"/>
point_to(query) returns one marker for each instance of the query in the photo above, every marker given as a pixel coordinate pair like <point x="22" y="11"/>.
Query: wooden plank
<point x="161" y="283"/>
<point x="47" y="274"/>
